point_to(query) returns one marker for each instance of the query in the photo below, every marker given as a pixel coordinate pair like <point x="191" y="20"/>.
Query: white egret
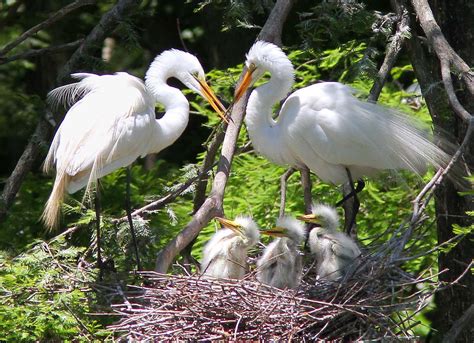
<point x="334" y="251"/>
<point x="114" y="122"/>
<point x="281" y="263"/>
<point x="324" y="128"/>
<point x="225" y="255"/>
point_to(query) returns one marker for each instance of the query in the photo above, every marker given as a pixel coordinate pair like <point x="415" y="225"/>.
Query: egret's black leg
<point x="359" y="187"/>
<point x="355" y="203"/>
<point x="97" y="223"/>
<point x="129" y="217"/>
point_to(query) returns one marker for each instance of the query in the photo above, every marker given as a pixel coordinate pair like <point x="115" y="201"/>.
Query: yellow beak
<point x="212" y="99"/>
<point x="277" y="231"/>
<point x="244" y="85"/>
<point x="230" y="224"/>
<point x="309" y="218"/>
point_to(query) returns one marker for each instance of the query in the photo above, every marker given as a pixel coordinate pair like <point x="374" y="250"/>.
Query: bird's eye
<point x="195" y="74"/>
<point x="252" y="66"/>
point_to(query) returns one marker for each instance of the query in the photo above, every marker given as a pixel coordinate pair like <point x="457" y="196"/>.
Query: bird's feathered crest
<point x="295" y="229"/>
<point x="328" y="215"/>
<point x="271" y="58"/>
<point x="251" y="229"/>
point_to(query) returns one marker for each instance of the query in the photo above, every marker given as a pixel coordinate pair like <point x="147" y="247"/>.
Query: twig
<point x="393" y="50"/>
<point x="306" y="183"/>
<point x="171" y="196"/>
<point x="49" y="50"/>
<point x="178" y="27"/>
<point x="283" y="182"/>
<point x="441" y="46"/>
<point x="52" y="19"/>
<point x="78" y="320"/>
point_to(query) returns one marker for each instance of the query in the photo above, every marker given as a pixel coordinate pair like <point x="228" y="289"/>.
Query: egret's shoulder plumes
<point x="295" y="230"/>
<point x="328" y="216"/>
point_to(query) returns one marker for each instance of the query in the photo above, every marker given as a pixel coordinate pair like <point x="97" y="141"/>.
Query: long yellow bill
<point x="244" y="85"/>
<point x="308" y="218"/>
<point x="213" y="100"/>
<point x="230" y="224"/>
<point x="277" y="231"/>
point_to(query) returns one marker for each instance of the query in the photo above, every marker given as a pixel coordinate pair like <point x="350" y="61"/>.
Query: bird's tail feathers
<point x="48" y="162"/>
<point x="52" y="210"/>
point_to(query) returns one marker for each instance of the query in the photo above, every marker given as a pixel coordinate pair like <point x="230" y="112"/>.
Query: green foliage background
<point x="43" y="294"/>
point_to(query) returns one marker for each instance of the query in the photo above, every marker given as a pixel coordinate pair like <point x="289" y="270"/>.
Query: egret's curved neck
<point x="176" y="116"/>
<point x="259" y="107"/>
<point x="263" y="130"/>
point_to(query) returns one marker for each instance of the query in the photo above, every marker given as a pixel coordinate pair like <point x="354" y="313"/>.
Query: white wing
<point x="329" y="129"/>
<point x="95" y="137"/>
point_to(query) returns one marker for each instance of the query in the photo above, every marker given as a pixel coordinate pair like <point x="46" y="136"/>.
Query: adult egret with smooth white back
<point x="114" y="122"/>
<point x="325" y="128"/>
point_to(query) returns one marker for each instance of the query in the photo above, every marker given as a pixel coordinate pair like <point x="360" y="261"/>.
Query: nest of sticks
<point x="378" y="300"/>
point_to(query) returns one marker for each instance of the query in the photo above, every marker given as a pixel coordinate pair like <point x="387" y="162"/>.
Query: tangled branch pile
<point x="194" y="308"/>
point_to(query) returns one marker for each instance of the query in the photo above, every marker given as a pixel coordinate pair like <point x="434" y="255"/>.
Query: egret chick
<point x="334" y="251"/>
<point x="225" y="255"/>
<point x="281" y="264"/>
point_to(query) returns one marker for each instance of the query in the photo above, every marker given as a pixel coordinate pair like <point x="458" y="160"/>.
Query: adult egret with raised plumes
<point x="281" y="263"/>
<point x="225" y="255"/>
<point x="325" y="128"/>
<point x="334" y="251"/>
<point x="114" y="122"/>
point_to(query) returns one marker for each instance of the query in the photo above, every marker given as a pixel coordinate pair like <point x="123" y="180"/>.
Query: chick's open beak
<point x="309" y="218"/>
<point x="212" y="99"/>
<point x="277" y="231"/>
<point x="246" y="81"/>
<point x="230" y="224"/>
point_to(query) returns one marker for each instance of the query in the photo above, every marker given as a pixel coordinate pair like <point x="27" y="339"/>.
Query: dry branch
<point x="393" y="50"/>
<point x="39" y="52"/>
<point x="441" y="46"/>
<point x="48" y="22"/>
<point x="283" y="182"/>
<point x="213" y="204"/>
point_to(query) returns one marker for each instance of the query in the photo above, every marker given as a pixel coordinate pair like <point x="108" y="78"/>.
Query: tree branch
<point x="459" y="325"/>
<point x="48" y="22"/>
<point x="170" y="197"/>
<point x="49" y="50"/>
<point x="393" y="50"/>
<point x="212" y="206"/>
<point x="283" y="182"/>
<point x="122" y="9"/>
<point x="271" y="31"/>
<point x="447" y="56"/>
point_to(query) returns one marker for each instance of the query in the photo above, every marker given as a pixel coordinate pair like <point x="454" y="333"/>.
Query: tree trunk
<point x="455" y="17"/>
